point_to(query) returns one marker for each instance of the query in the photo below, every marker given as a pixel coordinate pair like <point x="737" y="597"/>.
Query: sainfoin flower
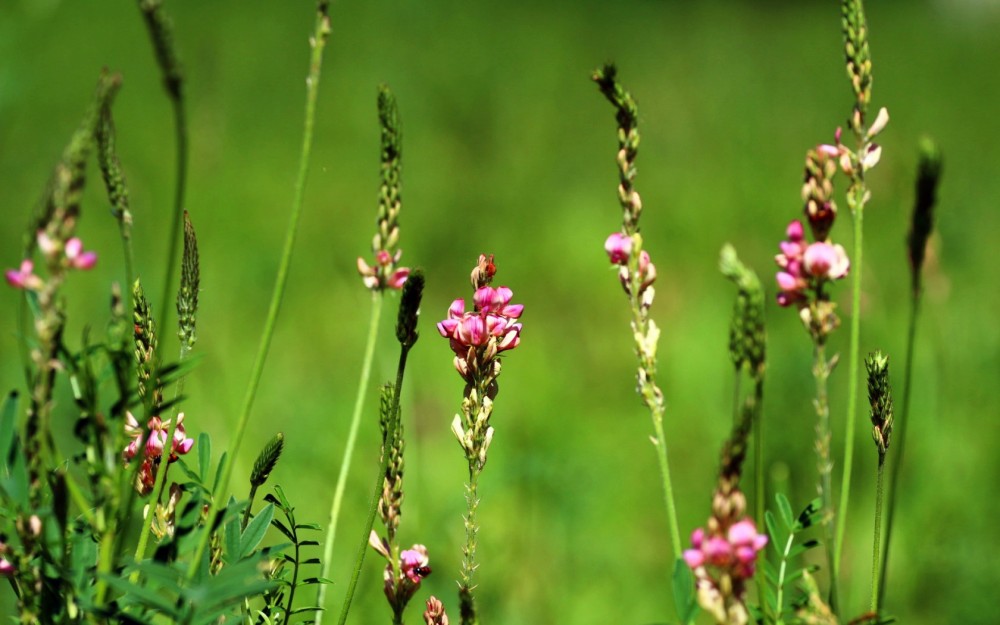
<point x="489" y="328"/>
<point x="414" y="566"/>
<point x="806" y="265"/>
<point x="384" y="273"/>
<point x="619" y="248"/>
<point x="155" y="442"/>
<point x="24" y="277"/>
<point x="734" y="554"/>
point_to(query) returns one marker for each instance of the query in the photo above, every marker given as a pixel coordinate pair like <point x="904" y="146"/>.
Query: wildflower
<point x="24" y="277"/>
<point x="413" y="567"/>
<point x="6" y="568"/>
<point x="384" y="273"/>
<point x="155" y="442"/>
<point x="722" y="563"/>
<point x="77" y="257"/>
<point x="806" y="266"/>
<point x="488" y="329"/>
<point x="619" y="248"/>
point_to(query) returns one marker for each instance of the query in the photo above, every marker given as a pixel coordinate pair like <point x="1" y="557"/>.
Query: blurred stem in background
<point x="161" y="34"/>
<point x="318" y="43"/>
<point x="921" y="225"/>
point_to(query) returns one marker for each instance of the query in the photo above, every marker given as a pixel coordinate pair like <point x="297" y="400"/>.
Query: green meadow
<point x="509" y="149"/>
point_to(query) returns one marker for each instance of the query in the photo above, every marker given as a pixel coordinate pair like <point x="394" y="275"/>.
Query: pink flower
<point x="413" y="563"/>
<point x="6" y="568"/>
<point x="735" y="553"/>
<point x="823" y="260"/>
<point x="619" y="248"/>
<point x="24" y="277"/>
<point x="77" y="257"/>
<point x="383" y="274"/>
<point x="158" y="432"/>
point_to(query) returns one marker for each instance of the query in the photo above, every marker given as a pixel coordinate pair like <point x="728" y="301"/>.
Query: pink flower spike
<point x="697" y="537"/>
<point x="786" y="281"/>
<point x="826" y="261"/>
<point x="24" y="277"/>
<point x="619" y="248"/>
<point x="742" y="533"/>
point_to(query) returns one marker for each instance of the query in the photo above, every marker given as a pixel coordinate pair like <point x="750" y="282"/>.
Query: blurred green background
<point x="509" y="149"/>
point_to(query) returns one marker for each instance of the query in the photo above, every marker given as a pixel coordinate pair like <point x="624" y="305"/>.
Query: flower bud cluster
<point x="435" y="614"/>
<point x="156" y="440"/>
<point x="620" y="247"/>
<point x="722" y="561"/>
<point x="806" y="266"/>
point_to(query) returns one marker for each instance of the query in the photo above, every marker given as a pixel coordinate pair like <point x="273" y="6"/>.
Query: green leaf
<point x="204" y="456"/>
<point x="785" y="509"/>
<point x="8" y="425"/>
<point x="233" y="552"/>
<point x="808" y="516"/>
<point x="684" y="598"/>
<point x="255" y="530"/>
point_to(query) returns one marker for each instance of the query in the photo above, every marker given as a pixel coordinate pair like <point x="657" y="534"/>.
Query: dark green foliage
<point x="287" y="571"/>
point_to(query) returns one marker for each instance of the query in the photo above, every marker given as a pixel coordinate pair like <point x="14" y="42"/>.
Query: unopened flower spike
<point x="384" y="272"/>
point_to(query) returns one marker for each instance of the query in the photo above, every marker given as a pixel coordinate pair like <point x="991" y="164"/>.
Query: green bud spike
<point x="266" y="460"/>
<point x="389" y="194"/>
<point x="145" y="342"/>
<point x="747" y="337"/>
<point x="409" y="309"/>
<point x="880" y="398"/>
<point x="187" y="296"/>
<point x="922" y="220"/>
<point x="857" y="55"/>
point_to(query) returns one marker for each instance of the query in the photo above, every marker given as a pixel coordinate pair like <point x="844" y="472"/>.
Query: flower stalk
<point x="880" y="399"/>
<point x="637" y="273"/>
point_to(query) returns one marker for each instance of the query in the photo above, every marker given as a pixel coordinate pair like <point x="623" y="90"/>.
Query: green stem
<point x="759" y="494"/>
<point x="468" y="603"/>
<point x="181" y="138"/>
<point x="392" y="429"/>
<point x="878" y="527"/>
<point x="900" y="438"/>
<point x="857" y="212"/>
<point x="821" y="371"/>
<point x="318" y="42"/>
<point x="352" y="435"/>
<point x="668" y="490"/>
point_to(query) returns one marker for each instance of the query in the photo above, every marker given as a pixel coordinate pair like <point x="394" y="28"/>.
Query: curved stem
<point x="352" y="435"/>
<point x="318" y="42"/>
<point x="467" y="601"/>
<point x="668" y="489"/>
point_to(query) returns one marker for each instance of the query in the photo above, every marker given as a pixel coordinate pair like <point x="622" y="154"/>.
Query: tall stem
<point x="857" y="213"/>
<point x="821" y="372"/>
<point x="900" y="438"/>
<point x="878" y="532"/>
<point x="469" y="614"/>
<point x="352" y="435"/>
<point x="181" y="138"/>
<point x="318" y="43"/>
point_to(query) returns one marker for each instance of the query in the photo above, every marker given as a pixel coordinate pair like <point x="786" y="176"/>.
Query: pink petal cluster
<point x="155" y="442"/>
<point x="735" y="553"/>
<point x="619" y="248"/>
<point x="489" y="328"/>
<point x="803" y="264"/>
<point x="24" y="277"/>
<point x="73" y="255"/>
<point x="7" y="568"/>
<point x="384" y="273"/>
<point x="414" y="562"/>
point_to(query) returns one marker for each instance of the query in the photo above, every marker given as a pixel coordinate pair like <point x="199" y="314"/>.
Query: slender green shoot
<point x="318" y="43"/>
